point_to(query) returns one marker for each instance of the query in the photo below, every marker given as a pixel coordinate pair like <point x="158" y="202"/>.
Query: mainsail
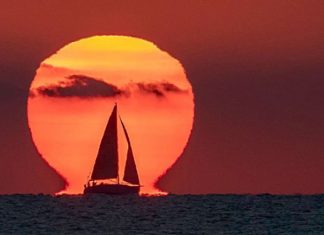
<point x="130" y="174"/>
<point x="106" y="165"/>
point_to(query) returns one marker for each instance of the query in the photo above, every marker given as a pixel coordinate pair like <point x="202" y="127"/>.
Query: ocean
<point x="171" y="214"/>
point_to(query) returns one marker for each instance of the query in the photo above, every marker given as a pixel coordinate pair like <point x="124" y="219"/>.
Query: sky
<point x="256" y="70"/>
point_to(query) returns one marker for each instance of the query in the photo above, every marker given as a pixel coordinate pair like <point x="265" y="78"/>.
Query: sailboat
<point x="106" y="167"/>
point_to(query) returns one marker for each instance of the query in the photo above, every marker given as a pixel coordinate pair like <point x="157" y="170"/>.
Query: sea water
<point x="171" y="214"/>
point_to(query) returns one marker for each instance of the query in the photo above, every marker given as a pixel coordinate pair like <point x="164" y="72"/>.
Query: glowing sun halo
<point x="73" y="93"/>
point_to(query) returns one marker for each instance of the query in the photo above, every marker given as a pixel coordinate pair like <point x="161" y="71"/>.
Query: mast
<point x="106" y="165"/>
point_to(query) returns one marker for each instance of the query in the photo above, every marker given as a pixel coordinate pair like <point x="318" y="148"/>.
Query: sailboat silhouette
<point x="106" y="165"/>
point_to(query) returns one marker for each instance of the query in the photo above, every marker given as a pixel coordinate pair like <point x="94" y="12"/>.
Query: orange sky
<point x="256" y="71"/>
<point x="67" y="127"/>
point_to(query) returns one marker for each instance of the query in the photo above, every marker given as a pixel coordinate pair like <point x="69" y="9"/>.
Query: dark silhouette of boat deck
<point x="112" y="189"/>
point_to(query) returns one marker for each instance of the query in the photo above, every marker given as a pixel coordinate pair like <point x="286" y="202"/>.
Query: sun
<point x="75" y="89"/>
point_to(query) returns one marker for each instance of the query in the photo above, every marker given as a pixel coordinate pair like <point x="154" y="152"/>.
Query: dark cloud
<point x="88" y="87"/>
<point x="79" y="86"/>
<point x="159" y="89"/>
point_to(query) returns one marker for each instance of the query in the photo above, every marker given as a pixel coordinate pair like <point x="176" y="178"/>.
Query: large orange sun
<point x="73" y="94"/>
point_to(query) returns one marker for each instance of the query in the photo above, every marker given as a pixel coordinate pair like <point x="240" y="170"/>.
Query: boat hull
<point x="112" y="189"/>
